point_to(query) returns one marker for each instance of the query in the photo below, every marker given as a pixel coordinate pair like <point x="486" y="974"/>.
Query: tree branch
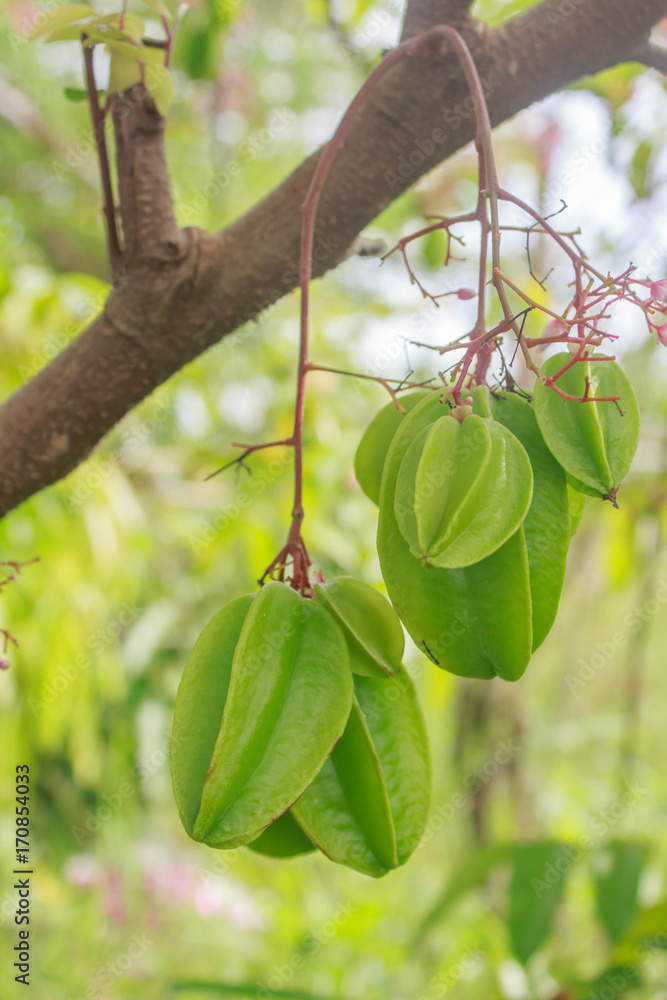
<point x="421" y="15"/>
<point x="654" y="56"/>
<point x="146" y="208"/>
<point x="181" y="291"/>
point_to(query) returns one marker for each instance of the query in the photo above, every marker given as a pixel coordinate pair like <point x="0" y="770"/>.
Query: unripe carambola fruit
<point x="594" y="442"/>
<point x="463" y="488"/>
<point x="367" y="808"/>
<point x="374" y="444"/>
<point x="264" y="697"/>
<point x="284" y="838"/>
<point x="474" y="622"/>
<point x="547" y="526"/>
<point x="371" y="627"/>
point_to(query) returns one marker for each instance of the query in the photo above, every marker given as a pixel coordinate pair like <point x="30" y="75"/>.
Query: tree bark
<point x="178" y="292"/>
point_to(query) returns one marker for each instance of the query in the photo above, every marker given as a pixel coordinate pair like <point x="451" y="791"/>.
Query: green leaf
<point x="108" y="35"/>
<point x="158" y="7"/>
<point x="469" y="875"/>
<point x="615" y="981"/>
<point x="247" y="991"/>
<point x="135" y="27"/>
<point x="617" y="871"/>
<point x="66" y="34"/>
<point x="117" y="47"/>
<point x="639" y="171"/>
<point x="160" y="85"/>
<point x="76" y="94"/>
<point x="648" y="930"/>
<point x="60" y="17"/>
<point x="536" y="889"/>
<point x="124" y="72"/>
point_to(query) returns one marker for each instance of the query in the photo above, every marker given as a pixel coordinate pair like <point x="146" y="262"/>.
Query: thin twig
<point x="98" y="116"/>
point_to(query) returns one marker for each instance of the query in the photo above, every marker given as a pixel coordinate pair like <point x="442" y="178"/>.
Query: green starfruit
<point x="375" y="441"/>
<point x="463" y="488"/>
<point x="577" y="503"/>
<point x="264" y="697"/>
<point x="367" y="808"/>
<point x="474" y="622"/>
<point x="371" y="627"/>
<point x="594" y="442"/>
<point x="283" y="838"/>
<point x="547" y="526"/>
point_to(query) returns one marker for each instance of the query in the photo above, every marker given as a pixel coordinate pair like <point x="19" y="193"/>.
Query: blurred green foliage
<point x="137" y="551"/>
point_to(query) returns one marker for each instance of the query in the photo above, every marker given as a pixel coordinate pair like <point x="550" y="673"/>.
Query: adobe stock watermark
<point x="56" y="343"/>
<point x="600" y="825"/>
<point x="247" y="150"/>
<point x="620" y="979"/>
<point x="578" y="162"/>
<point x="633" y="621"/>
<point x="563" y="11"/>
<point x="258" y="481"/>
<point x="107" y="975"/>
<point x="311" y="944"/>
<point x="76" y="154"/>
<point x="442" y="982"/>
<point x="97" y="642"/>
<point x="112" y="802"/>
<point x="615" y="983"/>
<point x="30" y="19"/>
<point x="453" y="118"/>
<point x="87" y="480"/>
<point x="473" y="782"/>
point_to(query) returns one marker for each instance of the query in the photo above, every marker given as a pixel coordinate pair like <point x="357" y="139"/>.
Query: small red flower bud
<point x="555" y="328"/>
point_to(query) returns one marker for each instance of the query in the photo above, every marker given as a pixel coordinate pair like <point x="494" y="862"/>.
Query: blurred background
<point x="559" y="776"/>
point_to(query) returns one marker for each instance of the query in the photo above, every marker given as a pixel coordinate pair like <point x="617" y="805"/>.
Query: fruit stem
<point x="441" y="35"/>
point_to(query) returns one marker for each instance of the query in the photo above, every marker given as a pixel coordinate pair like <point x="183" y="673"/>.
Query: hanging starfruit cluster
<point x="296" y="728"/>
<point x="478" y="505"/>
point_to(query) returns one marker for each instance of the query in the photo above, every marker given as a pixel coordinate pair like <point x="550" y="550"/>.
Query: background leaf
<point x="617" y="871"/>
<point x="61" y="16"/>
<point x="537" y="885"/>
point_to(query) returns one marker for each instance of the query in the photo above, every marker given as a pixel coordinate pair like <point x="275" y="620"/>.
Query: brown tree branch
<point x="423" y="14"/>
<point x="146" y="208"/>
<point x="181" y="291"/>
<point x="654" y="56"/>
